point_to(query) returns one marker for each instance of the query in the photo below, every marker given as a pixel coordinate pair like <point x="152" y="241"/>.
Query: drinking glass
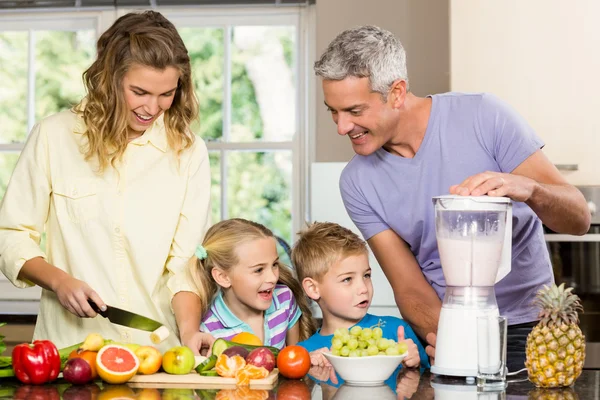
<point x="491" y="352"/>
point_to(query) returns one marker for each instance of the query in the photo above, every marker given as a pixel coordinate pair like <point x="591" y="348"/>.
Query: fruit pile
<point x="364" y="342"/>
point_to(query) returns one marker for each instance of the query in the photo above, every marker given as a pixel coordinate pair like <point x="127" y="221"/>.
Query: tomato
<point x="293" y="362"/>
<point x="293" y="390"/>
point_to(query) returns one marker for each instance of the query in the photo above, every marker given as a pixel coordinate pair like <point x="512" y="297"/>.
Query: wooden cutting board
<point x="196" y="381"/>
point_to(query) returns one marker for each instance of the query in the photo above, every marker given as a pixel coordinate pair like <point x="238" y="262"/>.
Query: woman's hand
<point x="412" y="359"/>
<point x="200" y="342"/>
<point x="74" y="294"/>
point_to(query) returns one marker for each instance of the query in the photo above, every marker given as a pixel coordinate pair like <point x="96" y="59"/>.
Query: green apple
<point x="178" y="360"/>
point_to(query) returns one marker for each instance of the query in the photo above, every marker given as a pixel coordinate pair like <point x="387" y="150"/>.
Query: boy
<point x="333" y="267"/>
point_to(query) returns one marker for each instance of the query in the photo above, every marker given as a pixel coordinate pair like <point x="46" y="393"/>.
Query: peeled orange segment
<point x="242" y="393"/>
<point x="228" y="366"/>
<point x="116" y="364"/>
<point x="247" y="338"/>
<point x="250" y="371"/>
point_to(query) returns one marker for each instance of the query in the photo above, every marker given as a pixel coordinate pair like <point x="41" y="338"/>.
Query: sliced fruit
<point x="221" y="344"/>
<point x="250" y="371"/>
<point x="242" y="393"/>
<point x="116" y="364"/>
<point x="207" y="364"/>
<point x="119" y="392"/>
<point x="247" y="338"/>
<point x="229" y="366"/>
<point x="159" y="335"/>
<point x="210" y="372"/>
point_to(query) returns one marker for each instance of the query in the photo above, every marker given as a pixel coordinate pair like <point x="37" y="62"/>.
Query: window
<point x="248" y="67"/>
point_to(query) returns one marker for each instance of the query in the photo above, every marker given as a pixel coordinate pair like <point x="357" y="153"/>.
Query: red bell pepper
<point x="36" y="364"/>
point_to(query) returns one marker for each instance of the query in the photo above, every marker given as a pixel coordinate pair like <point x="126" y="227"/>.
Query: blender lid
<point x="466" y="203"/>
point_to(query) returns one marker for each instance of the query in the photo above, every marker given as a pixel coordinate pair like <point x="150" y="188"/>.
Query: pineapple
<point x="556" y="346"/>
<point x="552" y="394"/>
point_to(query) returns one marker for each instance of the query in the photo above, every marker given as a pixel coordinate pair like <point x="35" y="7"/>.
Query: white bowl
<point x="352" y="392"/>
<point x="365" y="371"/>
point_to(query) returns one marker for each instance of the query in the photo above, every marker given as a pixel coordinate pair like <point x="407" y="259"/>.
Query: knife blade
<point x="126" y="318"/>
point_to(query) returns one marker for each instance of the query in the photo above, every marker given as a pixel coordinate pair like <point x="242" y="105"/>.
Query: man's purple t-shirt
<point x="466" y="134"/>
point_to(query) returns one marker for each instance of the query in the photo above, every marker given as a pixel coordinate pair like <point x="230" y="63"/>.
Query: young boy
<point x="332" y="264"/>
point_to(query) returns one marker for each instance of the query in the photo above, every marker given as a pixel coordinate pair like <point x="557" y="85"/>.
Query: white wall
<point x="327" y="205"/>
<point x="543" y="58"/>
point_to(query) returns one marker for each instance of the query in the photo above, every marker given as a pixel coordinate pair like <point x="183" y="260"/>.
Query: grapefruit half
<point x="116" y="364"/>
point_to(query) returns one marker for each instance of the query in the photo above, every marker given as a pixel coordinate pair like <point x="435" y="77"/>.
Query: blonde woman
<point x="243" y="286"/>
<point x="120" y="186"/>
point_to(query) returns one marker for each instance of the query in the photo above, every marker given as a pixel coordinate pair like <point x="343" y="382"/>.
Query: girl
<point x="244" y="288"/>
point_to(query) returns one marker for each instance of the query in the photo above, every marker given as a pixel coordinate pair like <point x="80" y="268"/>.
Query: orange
<point x="250" y="371"/>
<point x="119" y="392"/>
<point x="247" y="338"/>
<point x="89" y="356"/>
<point x="242" y="393"/>
<point x="116" y="364"/>
<point x="228" y="366"/>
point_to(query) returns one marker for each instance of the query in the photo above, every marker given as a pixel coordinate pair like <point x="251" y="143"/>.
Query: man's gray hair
<point x="364" y="52"/>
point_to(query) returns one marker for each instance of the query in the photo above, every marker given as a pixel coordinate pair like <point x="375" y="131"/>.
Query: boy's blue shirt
<point x="389" y="325"/>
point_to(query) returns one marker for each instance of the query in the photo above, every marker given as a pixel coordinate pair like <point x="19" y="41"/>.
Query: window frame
<point x="302" y="144"/>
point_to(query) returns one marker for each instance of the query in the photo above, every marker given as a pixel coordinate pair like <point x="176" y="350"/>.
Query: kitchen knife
<point x="126" y="318"/>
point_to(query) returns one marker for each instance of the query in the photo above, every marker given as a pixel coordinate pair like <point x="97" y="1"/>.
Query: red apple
<point x="150" y="359"/>
<point x="262" y="357"/>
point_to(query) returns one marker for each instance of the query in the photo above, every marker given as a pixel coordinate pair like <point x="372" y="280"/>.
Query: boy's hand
<point x="321" y="367"/>
<point x="412" y="359"/>
<point x="407" y="383"/>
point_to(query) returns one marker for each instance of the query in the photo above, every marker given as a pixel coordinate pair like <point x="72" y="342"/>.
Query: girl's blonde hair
<point x="147" y="39"/>
<point x="220" y="244"/>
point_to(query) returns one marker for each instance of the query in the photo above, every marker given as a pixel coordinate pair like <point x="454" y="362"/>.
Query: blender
<point x="474" y="235"/>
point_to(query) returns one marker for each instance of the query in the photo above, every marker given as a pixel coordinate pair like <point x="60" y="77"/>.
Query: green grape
<point x="362" y="344"/>
<point x="364" y="353"/>
<point x="381" y="353"/>
<point x="345" y="338"/>
<point x="402" y="348"/>
<point x="372" y="342"/>
<point x="355" y="330"/>
<point x="366" y="333"/>
<point x="352" y="343"/>
<point x="377" y="332"/>
<point x="336" y="343"/>
<point x="335" y="352"/>
<point x="382" y="344"/>
<point x="344" y="351"/>
<point x="339" y="332"/>
<point x="354" y="353"/>
<point x="392" y="351"/>
<point x="372" y="350"/>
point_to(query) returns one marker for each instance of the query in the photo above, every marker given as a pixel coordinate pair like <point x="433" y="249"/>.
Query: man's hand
<point x="321" y="366"/>
<point x="430" y="349"/>
<point x="412" y="359"/>
<point x="496" y="184"/>
<point x="200" y="342"/>
<point x="73" y="295"/>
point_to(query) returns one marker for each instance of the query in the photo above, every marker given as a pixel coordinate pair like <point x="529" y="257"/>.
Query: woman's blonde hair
<point x="220" y="244"/>
<point x="147" y="39"/>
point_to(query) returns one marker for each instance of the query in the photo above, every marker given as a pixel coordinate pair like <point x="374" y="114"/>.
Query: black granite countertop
<point x="411" y="385"/>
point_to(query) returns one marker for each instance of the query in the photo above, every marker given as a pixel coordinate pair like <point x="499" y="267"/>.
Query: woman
<point x="121" y="187"/>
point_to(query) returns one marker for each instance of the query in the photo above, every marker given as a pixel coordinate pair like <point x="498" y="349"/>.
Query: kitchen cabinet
<point x="541" y="56"/>
<point x="9" y="292"/>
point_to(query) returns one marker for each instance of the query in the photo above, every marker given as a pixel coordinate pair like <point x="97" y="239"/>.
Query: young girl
<point x="244" y="288"/>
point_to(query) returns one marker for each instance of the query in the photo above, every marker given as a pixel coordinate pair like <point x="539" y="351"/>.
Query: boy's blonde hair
<point x="220" y="244"/>
<point x="321" y="245"/>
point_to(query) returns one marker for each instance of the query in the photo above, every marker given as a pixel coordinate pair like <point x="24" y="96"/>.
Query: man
<point x="409" y="149"/>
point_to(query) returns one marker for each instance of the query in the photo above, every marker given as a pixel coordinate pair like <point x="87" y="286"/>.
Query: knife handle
<point x="96" y="308"/>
